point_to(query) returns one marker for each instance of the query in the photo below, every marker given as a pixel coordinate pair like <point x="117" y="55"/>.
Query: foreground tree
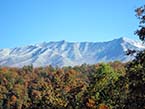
<point x="136" y="69"/>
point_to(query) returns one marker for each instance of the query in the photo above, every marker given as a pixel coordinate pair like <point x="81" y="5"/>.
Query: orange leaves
<point x="91" y="103"/>
<point x="62" y="88"/>
<point x="67" y="88"/>
<point x="73" y="72"/>
<point x="103" y="106"/>
<point x="4" y="69"/>
<point x="13" y="98"/>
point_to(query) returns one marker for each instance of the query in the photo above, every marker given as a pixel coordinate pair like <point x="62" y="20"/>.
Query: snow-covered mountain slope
<point x="64" y="53"/>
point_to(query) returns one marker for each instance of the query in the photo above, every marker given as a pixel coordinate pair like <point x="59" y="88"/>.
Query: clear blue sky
<point x="25" y="22"/>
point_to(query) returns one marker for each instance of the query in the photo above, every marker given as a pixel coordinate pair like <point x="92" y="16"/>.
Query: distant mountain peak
<point x="63" y="53"/>
<point x="125" y="38"/>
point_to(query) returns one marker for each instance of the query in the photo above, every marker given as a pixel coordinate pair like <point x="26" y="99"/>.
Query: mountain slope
<point x="64" y="53"/>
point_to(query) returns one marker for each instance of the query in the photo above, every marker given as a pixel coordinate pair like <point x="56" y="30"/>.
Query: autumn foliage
<point x="80" y="87"/>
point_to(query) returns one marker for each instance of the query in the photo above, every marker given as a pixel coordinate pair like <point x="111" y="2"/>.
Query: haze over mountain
<point x="64" y="53"/>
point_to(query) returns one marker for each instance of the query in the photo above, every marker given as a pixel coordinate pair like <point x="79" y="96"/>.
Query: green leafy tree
<point x="101" y="85"/>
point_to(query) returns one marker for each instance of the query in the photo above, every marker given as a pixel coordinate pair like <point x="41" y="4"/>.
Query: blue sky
<point x="25" y="22"/>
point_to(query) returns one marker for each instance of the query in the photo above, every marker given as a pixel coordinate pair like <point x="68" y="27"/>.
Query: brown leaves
<point x="39" y="88"/>
<point x="91" y="103"/>
<point x="36" y="94"/>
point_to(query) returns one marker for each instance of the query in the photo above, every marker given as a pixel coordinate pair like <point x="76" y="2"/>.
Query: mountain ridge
<point x="63" y="53"/>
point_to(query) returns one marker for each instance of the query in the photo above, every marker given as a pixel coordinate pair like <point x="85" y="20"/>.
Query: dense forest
<point x="81" y="87"/>
<point x="113" y="85"/>
<point x="99" y="86"/>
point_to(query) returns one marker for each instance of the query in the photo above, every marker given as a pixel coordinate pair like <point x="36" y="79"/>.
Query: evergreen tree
<point x="136" y="69"/>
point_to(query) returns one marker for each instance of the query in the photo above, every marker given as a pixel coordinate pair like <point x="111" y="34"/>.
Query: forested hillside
<point x="82" y="87"/>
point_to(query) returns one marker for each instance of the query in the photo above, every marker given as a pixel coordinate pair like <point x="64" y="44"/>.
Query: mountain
<point x="64" y="53"/>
